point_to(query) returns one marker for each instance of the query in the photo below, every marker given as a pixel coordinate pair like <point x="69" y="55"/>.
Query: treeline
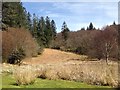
<point x="17" y="25"/>
<point x="41" y="32"/>
<point x="100" y="44"/>
<point x="14" y="15"/>
<point x="42" y="29"/>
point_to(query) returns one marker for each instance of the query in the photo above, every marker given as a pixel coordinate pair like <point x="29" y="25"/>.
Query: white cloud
<point x="101" y="14"/>
<point x="110" y="9"/>
<point x="80" y="14"/>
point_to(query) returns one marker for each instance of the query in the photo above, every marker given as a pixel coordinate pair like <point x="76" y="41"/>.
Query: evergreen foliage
<point x="15" y="15"/>
<point x="83" y="28"/>
<point x="65" y="31"/>
<point x="16" y="56"/>
<point x="53" y="27"/>
<point x="90" y="26"/>
<point x="35" y="23"/>
<point x="114" y="23"/>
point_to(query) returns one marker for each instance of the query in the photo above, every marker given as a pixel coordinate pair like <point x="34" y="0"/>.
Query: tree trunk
<point x="107" y="58"/>
<point x="107" y="52"/>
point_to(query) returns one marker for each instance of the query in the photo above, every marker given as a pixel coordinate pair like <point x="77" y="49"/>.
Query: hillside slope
<point x="55" y="64"/>
<point x="53" y="56"/>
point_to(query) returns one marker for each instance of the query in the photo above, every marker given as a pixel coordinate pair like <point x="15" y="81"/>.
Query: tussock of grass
<point x="96" y="73"/>
<point x="8" y="81"/>
<point x="91" y="72"/>
<point x="24" y="75"/>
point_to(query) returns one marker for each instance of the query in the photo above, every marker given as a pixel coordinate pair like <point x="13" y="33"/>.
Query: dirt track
<point x="53" y="56"/>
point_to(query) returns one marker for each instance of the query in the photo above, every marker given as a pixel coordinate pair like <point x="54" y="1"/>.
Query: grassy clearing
<point x="53" y="56"/>
<point x="72" y="69"/>
<point x="80" y="71"/>
<point x="9" y="82"/>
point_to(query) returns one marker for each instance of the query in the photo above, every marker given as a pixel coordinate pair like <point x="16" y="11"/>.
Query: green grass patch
<point x="8" y="81"/>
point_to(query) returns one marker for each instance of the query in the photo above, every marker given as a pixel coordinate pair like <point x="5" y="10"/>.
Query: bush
<point x="18" y="42"/>
<point x="80" y="50"/>
<point x="56" y="47"/>
<point x="40" y="50"/>
<point x="16" y="56"/>
<point x="4" y="26"/>
<point x="24" y="75"/>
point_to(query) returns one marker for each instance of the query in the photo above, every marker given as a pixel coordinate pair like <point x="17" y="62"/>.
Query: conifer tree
<point x="29" y="21"/>
<point x="48" y="31"/>
<point x="35" y="23"/>
<point x="53" y="28"/>
<point x="65" y="31"/>
<point x="91" y="26"/>
<point x="114" y="23"/>
<point x="83" y="28"/>
<point x="14" y="14"/>
<point x="41" y="28"/>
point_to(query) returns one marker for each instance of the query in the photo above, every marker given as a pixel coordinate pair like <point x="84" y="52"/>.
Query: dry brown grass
<point x="24" y="75"/>
<point x="54" y="56"/>
<point x="92" y="72"/>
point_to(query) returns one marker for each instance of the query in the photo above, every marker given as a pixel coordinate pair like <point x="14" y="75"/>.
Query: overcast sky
<point x="76" y="14"/>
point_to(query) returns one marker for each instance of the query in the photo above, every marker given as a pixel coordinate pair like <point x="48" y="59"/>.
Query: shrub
<point x="52" y="74"/>
<point x="80" y="50"/>
<point x="4" y="26"/>
<point x="16" y="56"/>
<point x="40" y="50"/>
<point x="94" y="43"/>
<point x="24" y="75"/>
<point x="7" y="45"/>
<point x="18" y="42"/>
